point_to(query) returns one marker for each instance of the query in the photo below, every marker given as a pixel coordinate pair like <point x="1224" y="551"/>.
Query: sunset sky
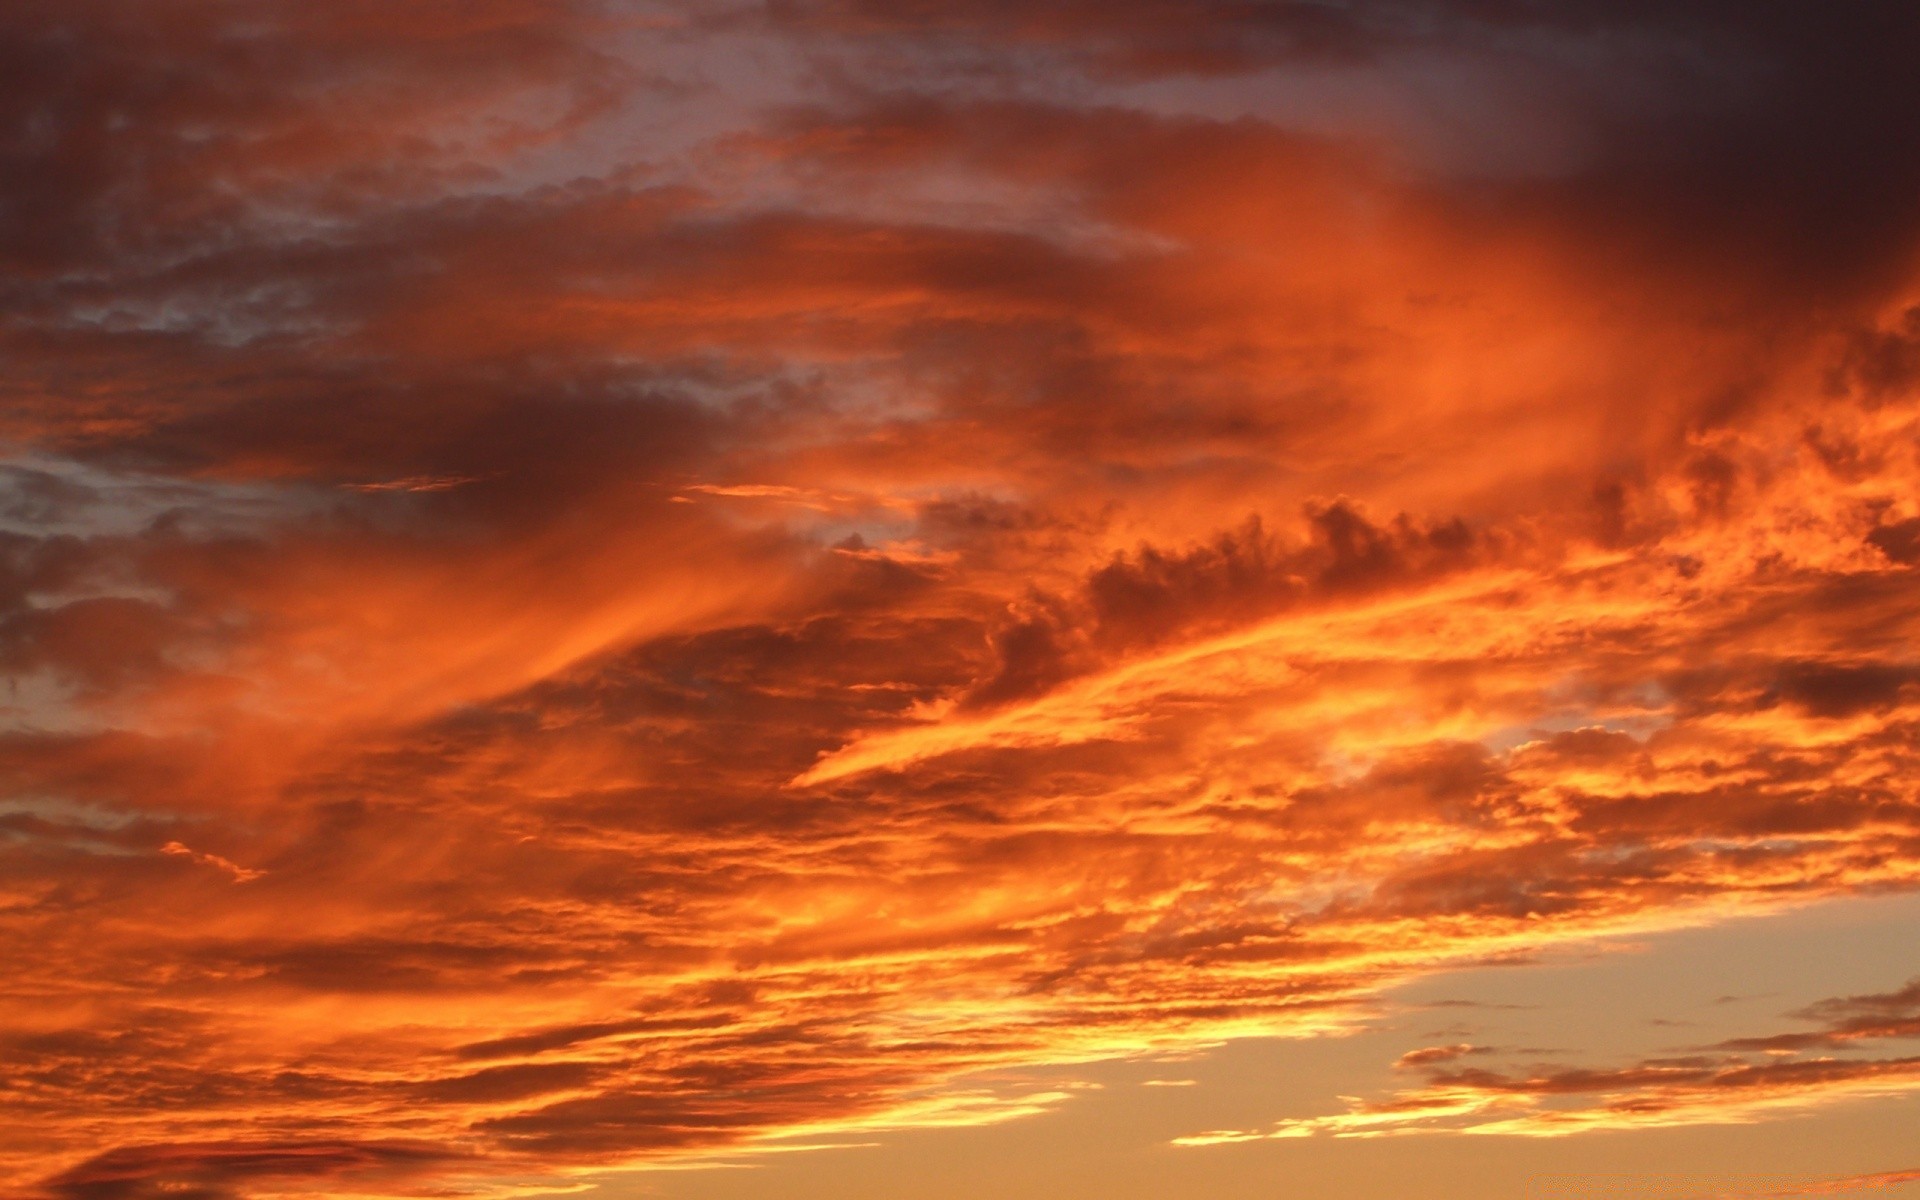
<point x="853" y="599"/>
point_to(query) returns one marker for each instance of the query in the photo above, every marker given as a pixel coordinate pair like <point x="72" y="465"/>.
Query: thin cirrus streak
<point x="594" y="585"/>
<point x="1721" y="1188"/>
<point x="1735" y="1081"/>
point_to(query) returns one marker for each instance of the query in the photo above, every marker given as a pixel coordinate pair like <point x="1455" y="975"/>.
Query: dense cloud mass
<point x="592" y="582"/>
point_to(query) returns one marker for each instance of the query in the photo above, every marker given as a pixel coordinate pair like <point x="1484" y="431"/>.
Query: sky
<point x="719" y="599"/>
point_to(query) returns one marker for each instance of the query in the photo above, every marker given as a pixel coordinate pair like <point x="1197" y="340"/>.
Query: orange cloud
<point x="1700" y="1089"/>
<point x="718" y="611"/>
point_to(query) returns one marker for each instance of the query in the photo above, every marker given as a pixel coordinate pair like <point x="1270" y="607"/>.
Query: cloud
<point x="1846" y="1020"/>
<point x="1427" y="1056"/>
<point x="240" y="874"/>
<point x="717" y="608"/>
<point x="1724" y="1084"/>
<point x="216" y="1171"/>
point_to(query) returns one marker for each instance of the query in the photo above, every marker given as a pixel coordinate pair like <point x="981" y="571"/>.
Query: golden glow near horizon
<point x="595" y="590"/>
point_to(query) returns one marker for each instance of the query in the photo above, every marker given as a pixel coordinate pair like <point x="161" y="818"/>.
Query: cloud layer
<point x="584" y="582"/>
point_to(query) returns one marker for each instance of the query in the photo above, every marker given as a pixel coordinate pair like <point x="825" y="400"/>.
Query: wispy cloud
<point x="1707" y="1088"/>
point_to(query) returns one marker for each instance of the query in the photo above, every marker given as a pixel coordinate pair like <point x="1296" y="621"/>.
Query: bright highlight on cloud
<point x="591" y="585"/>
